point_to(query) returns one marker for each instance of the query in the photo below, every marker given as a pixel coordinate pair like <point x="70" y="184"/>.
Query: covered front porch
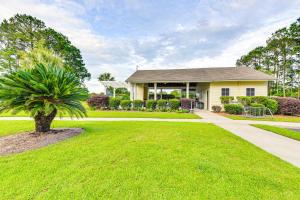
<point x="199" y="91"/>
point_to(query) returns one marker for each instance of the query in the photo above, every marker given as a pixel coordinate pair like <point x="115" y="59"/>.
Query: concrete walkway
<point x="285" y="148"/>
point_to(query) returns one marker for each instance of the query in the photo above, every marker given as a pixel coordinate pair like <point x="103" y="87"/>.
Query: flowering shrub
<point x="98" y="102"/>
<point x="288" y="105"/>
<point x="187" y="103"/>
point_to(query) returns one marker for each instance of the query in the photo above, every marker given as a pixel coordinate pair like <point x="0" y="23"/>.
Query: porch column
<point x="114" y="92"/>
<point x="187" y="90"/>
<point x="131" y="91"/>
<point x="155" y="91"/>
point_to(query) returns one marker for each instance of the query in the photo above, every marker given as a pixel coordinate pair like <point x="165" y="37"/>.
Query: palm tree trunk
<point x="43" y="122"/>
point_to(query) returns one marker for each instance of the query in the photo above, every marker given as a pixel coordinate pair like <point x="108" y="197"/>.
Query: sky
<point x="117" y="35"/>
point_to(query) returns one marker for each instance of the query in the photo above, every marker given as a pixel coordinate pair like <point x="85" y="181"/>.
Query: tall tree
<point x="22" y="33"/>
<point x="106" y="76"/>
<point x="19" y="33"/>
<point x="40" y="55"/>
<point x="61" y="45"/>
<point x="278" y="57"/>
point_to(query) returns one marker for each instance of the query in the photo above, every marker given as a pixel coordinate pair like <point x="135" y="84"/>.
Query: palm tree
<point x="106" y="77"/>
<point x="43" y="92"/>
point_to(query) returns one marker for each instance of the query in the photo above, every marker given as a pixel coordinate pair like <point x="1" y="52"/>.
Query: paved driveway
<point x="285" y="148"/>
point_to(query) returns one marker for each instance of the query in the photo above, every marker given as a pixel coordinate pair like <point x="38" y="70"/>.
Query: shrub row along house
<point x="205" y="85"/>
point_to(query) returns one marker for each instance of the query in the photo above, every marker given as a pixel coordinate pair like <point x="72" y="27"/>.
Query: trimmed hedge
<point x="187" y="103"/>
<point x="257" y="109"/>
<point x="288" y="105"/>
<point x="126" y="104"/>
<point x="162" y="104"/>
<point x="98" y="102"/>
<point x="235" y="109"/>
<point x="266" y="101"/>
<point x="174" y="104"/>
<point x="114" y="103"/>
<point x="226" y="99"/>
<point x="151" y="104"/>
<point x="259" y="99"/>
<point x="244" y="100"/>
<point x="216" y="109"/>
<point x="137" y="104"/>
<point x="257" y="105"/>
<point x="272" y="105"/>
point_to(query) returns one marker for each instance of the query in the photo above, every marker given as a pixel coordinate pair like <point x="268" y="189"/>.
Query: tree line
<point x="279" y="57"/>
<point x="26" y="39"/>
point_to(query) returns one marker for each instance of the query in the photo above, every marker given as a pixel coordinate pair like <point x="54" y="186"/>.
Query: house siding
<point x="237" y="88"/>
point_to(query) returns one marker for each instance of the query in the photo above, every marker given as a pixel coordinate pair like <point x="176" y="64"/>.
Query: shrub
<point x="98" y="102"/>
<point x="162" y="104"/>
<point x="114" y="103"/>
<point x="151" y="104"/>
<point x="257" y="109"/>
<point x="233" y="108"/>
<point x="126" y="104"/>
<point x="244" y="100"/>
<point x="257" y="105"/>
<point x="137" y="104"/>
<point x="174" y="104"/>
<point x="259" y="99"/>
<point x="187" y="103"/>
<point x="226" y="99"/>
<point x="288" y="106"/>
<point x="272" y="105"/>
<point x="216" y="109"/>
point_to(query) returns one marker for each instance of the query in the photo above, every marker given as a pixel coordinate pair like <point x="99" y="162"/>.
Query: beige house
<point x="205" y="85"/>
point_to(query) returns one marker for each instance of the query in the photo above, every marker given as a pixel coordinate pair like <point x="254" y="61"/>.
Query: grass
<point x="276" y="118"/>
<point x="281" y="131"/>
<point x="146" y="160"/>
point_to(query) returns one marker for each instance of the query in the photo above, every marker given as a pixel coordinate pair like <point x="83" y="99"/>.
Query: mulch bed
<point x="27" y="141"/>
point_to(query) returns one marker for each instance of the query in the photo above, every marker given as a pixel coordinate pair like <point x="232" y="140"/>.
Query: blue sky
<point x="116" y="35"/>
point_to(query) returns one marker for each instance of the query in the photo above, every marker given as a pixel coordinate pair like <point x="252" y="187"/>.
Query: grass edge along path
<point x="279" y="130"/>
<point x="276" y="118"/>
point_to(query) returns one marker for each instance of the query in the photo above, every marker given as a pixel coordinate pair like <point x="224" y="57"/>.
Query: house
<point x="206" y="85"/>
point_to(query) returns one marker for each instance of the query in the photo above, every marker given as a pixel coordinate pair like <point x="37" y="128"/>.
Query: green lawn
<point x="278" y="118"/>
<point x="281" y="131"/>
<point x="145" y="160"/>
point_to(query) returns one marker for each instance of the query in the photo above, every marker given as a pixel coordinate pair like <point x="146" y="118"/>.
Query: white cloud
<point x="67" y="18"/>
<point x="206" y="35"/>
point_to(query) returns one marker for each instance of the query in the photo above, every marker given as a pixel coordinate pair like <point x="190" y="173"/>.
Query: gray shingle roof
<point x="198" y="75"/>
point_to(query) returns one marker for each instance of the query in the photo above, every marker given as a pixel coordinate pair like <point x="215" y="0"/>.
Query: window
<point x="250" y="91"/>
<point x="225" y="91"/>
